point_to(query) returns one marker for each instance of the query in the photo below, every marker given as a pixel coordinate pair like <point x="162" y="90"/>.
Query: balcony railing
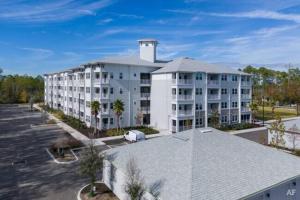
<point x="213" y="96"/>
<point x="104" y="96"/>
<point x="183" y="128"/>
<point x="145" y="95"/>
<point x="105" y="81"/>
<point x="245" y="83"/>
<point x="245" y="109"/>
<point x="210" y="111"/>
<point x="105" y="111"/>
<point x="145" y="109"/>
<point x="246" y="96"/>
<point x="185" y="112"/>
<point x="213" y="82"/>
<point x="182" y="97"/>
<point x="145" y="81"/>
<point x="185" y="81"/>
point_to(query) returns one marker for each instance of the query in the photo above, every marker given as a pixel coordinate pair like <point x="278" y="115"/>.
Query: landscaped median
<point x="85" y="131"/>
<point x="102" y="192"/>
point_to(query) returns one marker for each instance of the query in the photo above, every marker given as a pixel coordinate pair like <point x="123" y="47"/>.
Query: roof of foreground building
<point x="211" y="165"/>
<point x="186" y="64"/>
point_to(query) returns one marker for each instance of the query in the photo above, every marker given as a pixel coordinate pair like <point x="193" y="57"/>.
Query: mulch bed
<point x="102" y="193"/>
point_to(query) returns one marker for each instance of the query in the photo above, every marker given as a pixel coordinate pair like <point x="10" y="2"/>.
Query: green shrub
<point x="122" y="131"/>
<point x="297" y="152"/>
<point x="51" y="121"/>
<point x="240" y="126"/>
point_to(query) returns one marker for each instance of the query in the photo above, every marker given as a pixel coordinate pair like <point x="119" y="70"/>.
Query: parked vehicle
<point x="134" y="136"/>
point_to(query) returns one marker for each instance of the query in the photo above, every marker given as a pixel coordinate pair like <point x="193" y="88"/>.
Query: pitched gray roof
<point x="207" y="166"/>
<point x="130" y="60"/>
<point x="185" y="64"/>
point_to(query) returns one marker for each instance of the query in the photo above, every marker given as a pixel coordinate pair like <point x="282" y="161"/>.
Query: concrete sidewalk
<point x="76" y="134"/>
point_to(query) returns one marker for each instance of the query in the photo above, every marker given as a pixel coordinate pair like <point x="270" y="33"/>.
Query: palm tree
<point x="118" y="109"/>
<point x="254" y="109"/>
<point x="95" y="110"/>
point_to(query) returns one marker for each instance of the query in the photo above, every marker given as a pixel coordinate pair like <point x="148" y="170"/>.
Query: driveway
<point x="33" y="175"/>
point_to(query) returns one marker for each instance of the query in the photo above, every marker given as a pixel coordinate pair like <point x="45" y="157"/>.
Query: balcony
<point x="182" y="97"/>
<point x="145" y="108"/>
<point x="246" y="96"/>
<point x="105" y="111"/>
<point x="245" y="83"/>
<point x="245" y="109"/>
<point x="105" y="81"/>
<point x="213" y="83"/>
<point x="145" y="81"/>
<point x="183" y="128"/>
<point x="145" y="95"/>
<point x="185" y="112"/>
<point x="185" y="81"/>
<point x="104" y="96"/>
<point x="212" y="110"/>
<point x="213" y="97"/>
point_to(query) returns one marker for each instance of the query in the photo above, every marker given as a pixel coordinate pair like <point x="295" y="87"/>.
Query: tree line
<point x="21" y="88"/>
<point x="275" y="87"/>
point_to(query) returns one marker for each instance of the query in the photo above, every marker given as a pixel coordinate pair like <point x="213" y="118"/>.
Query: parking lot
<point x="26" y="170"/>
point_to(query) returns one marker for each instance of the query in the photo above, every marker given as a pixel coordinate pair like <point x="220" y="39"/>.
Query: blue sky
<point x="42" y="36"/>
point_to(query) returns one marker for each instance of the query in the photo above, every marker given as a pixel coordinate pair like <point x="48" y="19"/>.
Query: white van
<point x="134" y="136"/>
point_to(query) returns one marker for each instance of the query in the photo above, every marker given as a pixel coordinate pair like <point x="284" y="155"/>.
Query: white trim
<point x="62" y="162"/>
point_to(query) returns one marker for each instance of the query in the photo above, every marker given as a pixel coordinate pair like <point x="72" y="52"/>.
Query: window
<point x="224" y="77"/>
<point x="111" y="90"/>
<point x="134" y="74"/>
<point x="97" y="90"/>
<point x="224" y="118"/>
<point x="111" y="75"/>
<point x="234" y="104"/>
<point x="111" y="105"/>
<point x="224" y="105"/>
<point x="173" y="106"/>
<point x="198" y="91"/>
<point x="198" y="106"/>
<point x="223" y="91"/>
<point x="111" y="121"/>
<point x="234" y="90"/>
<point x="97" y="75"/>
<point x="199" y="76"/>
<point x="121" y="91"/>
<point x="87" y="118"/>
<point x="121" y="75"/>
<point x="70" y="99"/>
<point x="234" y="77"/>
<point x="87" y="75"/>
<point x="88" y="89"/>
<point x="173" y="75"/>
<point x="234" y="118"/>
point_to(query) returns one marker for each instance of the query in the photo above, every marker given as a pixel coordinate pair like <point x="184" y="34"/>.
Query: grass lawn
<point x="283" y="112"/>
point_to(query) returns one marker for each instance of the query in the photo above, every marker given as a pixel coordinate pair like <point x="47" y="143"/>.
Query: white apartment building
<point x="170" y="95"/>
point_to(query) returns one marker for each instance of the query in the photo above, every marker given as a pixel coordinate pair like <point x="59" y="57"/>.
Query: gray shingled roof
<point x="207" y="166"/>
<point x="185" y="64"/>
<point x="130" y="60"/>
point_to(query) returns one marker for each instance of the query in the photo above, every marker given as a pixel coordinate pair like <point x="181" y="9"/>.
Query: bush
<point x="241" y="126"/>
<point x="297" y="152"/>
<point x="51" y="121"/>
<point x="122" y="131"/>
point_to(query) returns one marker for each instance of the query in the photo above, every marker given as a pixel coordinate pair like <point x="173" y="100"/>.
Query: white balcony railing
<point x="104" y="96"/>
<point x="182" y="97"/>
<point x="145" y="109"/>
<point x="213" y="96"/>
<point x="185" y="81"/>
<point x="145" y="95"/>
<point x="183" y="128"/>
<point x="245" y="83"/>
<point x="246" y="96"/>
<point x="213" y="82"/>
<point x="145" y="81"/>
<point x="185" y="112"/>
<point x="210" y="111"/>
<point x="245" y="109"/>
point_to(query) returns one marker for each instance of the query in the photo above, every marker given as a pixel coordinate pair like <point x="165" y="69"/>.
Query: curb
<point x="79" y="192"/>
<point x="60" y="162"/>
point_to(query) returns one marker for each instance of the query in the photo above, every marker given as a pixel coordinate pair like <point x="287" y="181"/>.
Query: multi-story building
<point x="172" y="95"/>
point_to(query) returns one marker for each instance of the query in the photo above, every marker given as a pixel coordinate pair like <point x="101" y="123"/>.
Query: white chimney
<point x="148" y="49"/>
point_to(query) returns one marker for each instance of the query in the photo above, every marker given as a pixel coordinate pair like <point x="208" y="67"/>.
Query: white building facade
<point x="154" y="92"/>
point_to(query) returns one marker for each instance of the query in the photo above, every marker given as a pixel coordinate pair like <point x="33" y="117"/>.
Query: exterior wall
<point x="113" y="81"/>
<point x="291" y="139"/>
<point x="188" y="100"/>
<point x="115" y="179"/>
<point x="160" y="101"/>
<point x="289" y="190"/>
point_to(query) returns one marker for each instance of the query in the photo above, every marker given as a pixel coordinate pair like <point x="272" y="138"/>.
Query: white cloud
<point x="38" y="53"/>
<point x="105" y="21"/>
<point x="43" y="11"/>
<point x="261" y="14"/>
